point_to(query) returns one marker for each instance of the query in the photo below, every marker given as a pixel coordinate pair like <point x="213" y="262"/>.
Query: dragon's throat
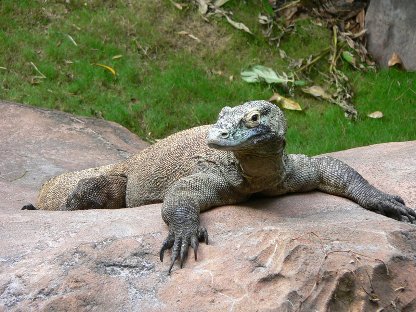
<point x="268" y="162"/>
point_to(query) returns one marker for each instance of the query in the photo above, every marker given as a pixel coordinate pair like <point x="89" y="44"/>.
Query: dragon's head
<point x="247" y="126"/>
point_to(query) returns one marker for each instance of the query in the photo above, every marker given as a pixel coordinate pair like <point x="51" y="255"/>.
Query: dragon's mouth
<point x="222" y="146"/>
<point x="222" y="139"/>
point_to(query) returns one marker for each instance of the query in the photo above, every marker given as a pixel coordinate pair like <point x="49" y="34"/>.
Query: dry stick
<point x="320" y="55"/>
<point x="316" y="59"/>
<point x="19" y="177"/>
<point x="334" y="54"/>
<point x="289" y="5"/>
<point x="39" y="72"/>
<point x="387" y="268"/>
<point x="339" y="54"/>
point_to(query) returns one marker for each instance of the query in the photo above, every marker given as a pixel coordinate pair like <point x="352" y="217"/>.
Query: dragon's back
<point x="151" y="172"/>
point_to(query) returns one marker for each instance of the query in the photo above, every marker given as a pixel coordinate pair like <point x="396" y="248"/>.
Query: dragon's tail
<point x="29" y="207"/>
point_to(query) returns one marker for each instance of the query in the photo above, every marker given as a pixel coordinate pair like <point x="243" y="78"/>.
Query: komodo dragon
<point x="225" y="163"/>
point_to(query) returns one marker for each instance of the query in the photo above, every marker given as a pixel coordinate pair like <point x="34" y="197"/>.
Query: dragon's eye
<point x="252" y="119"/>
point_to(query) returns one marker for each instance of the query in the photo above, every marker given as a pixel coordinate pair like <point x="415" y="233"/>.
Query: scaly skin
<point x="208" y="166"/>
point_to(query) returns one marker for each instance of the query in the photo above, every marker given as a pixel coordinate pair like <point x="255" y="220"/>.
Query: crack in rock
<point x="134" y="266"/>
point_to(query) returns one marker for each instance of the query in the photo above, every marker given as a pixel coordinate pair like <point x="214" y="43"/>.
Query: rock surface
<point x="302" y="252"/>
<point x="390" y="27"/>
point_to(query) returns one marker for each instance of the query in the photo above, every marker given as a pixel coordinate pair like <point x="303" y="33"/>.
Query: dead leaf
<point x="282" y="54"/>
<point x="42" y="76"/>
<point x="275" y="97"/>
<point x="291" y="105"/>
<point x="76" y="27"/>
<point x="285" y="102"/>
<point x="395" y="60"/>
<point x="264" y="19"/>
<point x="317" y="23"/>
<point x="219" y="3"/>
<point x="110" y="69"/>
<point x="35" y="80"/>
<point x="317" y="92"/>
<point x="72" y="40"/>
<point x="194" y="37"/>
<point x="231" y="78"/>
<point x="360" y="18"/>
<point x="238" y="25"/>
<point x="296" y="63"/>
<point x="202" y="6"/>
<point x="289" y="13"/>
<point x="185" y="33"/>
<point x="359" y="34"/>
<point x="376" y="115"/>
<point x="117" y="56"/>
<point x="177" y="5"/>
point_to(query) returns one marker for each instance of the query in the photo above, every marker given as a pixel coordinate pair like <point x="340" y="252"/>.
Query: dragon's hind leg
<point x="101" y="192"/>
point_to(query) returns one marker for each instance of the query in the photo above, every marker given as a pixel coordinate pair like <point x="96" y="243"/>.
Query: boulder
<point x="300" y="252"/>
<point x="390" y="28"/>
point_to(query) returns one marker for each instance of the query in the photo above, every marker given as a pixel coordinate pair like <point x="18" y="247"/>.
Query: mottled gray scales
<point x="102" y="192"/>
<point x="203" y="167"/>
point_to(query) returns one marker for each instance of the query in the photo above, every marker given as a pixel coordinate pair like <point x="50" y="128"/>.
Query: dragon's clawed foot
<point x="180" y="240"/>
<point x="394" y="207"/>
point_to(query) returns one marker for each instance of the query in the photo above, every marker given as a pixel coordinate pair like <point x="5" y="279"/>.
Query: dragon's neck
<point x="262" y="161"/>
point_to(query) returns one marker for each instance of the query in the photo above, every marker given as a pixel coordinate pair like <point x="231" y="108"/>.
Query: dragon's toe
<point x="179" y="241"/>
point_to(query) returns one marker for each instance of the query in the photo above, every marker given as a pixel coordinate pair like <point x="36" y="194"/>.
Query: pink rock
<point x="301" y="252"/>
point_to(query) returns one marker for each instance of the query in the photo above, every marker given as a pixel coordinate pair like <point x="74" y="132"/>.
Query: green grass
<point x="325" y="130"/>
<point x="167" y="82"/>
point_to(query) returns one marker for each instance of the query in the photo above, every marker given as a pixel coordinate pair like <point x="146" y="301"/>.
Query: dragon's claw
<point x="179" y="242"/>
<point x="399" y="199"/>
<point x="194" y="245"/>
<point x="167" y="244"/>
<point x="394" y="207"/>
